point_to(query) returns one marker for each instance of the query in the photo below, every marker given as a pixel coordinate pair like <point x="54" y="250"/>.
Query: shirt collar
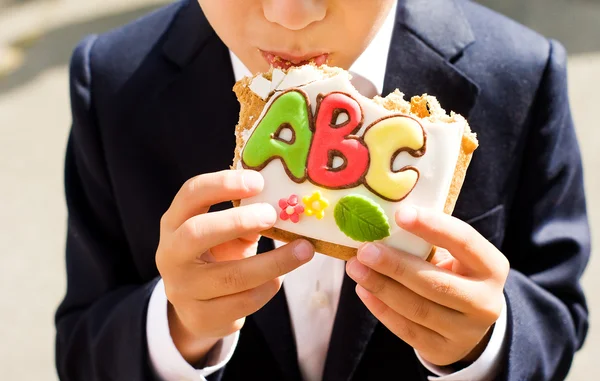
<point x="371" y="64"/>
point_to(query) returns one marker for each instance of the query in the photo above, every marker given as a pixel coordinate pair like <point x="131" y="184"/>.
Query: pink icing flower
<point x="290" y="209"/>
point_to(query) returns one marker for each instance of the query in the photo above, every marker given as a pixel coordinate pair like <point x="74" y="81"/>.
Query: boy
<point x="159" y="287"/>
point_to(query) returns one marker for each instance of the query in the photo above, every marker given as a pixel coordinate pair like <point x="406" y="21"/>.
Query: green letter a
<point x="289" y="111"/>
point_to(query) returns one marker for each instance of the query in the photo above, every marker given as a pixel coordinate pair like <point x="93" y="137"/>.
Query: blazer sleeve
<point x="547" y="239"/>
<point x="101" y="321"/>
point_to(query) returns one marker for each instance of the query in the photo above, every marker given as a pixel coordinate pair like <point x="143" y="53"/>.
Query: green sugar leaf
<point x="361" y="219"/>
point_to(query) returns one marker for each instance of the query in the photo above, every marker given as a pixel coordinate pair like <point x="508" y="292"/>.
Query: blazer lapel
<point x="197" y="105"/>
<point x="275" y="324"/>
<point x="189" y="31"/>
<point x="200" y="112"/>
<point x="426" y="45"/>
<point x="352" y="329"/>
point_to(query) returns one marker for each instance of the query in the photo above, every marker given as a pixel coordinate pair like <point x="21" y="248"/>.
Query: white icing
<point x="261" y="86"/>
<point x="337" y="162"/>
<point x="246" y="135"/>
<point x="286" y="134"/>
<point x="277" y="77"/>
<point x="299" y="76"/>
<point x="436" y="170"/>
<point x="341" y="118"/>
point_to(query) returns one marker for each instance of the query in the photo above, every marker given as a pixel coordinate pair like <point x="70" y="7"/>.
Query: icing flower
<point x="315" y="205"/>
<point x="290" y="209"/>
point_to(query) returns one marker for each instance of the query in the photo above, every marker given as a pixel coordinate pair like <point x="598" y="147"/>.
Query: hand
<point x="212" y="277"/>
<point x="443" y="309"/>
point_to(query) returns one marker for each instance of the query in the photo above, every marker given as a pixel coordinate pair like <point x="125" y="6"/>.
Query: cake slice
<point x="337" y="165"/>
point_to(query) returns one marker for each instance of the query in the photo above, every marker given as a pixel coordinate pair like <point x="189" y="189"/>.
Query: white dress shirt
<point x="313" y="290"/>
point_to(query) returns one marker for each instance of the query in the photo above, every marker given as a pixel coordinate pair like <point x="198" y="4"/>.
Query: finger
<point x="233" y="250"/>
<point x="200" y="192"/>
<point x="204" y="231"/>
<point x="242" y="247"/>
<point x="458" y="237"/>
<point x="415" y="335"/>
<point x="441" y="256"/>
<point x="210" y="315"/>
<point x="431" y="282"/>
<point x="226" y="278"/>
<point x="405" y="302"/>
<point x="443" y="259"/>
<point x="250" y="238"/>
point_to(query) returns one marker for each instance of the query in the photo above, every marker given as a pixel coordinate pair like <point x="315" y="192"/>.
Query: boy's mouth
<point x="285" y="61"/>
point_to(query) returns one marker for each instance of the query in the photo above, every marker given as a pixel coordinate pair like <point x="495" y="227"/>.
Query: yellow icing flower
<point x="315" y="205"/>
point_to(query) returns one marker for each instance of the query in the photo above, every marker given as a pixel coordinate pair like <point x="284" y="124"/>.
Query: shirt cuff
<point x="486" y="367"/>
<point x="167" y="362"/>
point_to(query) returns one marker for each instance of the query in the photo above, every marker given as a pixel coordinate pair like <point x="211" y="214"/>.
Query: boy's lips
<point x="285" y="61"/>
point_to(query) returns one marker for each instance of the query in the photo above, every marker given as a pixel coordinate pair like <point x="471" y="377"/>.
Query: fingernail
<point x="266" y="214"/>
<point x="406" y="215"/>
<point x="369" y="254"/>
<point x="208" y="257"/>
<point x="303" y="251"/>
<point x="362" y="292"/>
<point x="252" y="180"/>
<point x="357" y="270"/>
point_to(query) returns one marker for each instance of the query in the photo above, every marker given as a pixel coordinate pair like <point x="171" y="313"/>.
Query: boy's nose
<point x="294" y="14"/>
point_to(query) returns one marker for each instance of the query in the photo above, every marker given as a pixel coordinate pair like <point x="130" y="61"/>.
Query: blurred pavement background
<point x="36" y="40"/>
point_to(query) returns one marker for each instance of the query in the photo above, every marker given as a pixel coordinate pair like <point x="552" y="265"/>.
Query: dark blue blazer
<point x="152" y="106"/>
